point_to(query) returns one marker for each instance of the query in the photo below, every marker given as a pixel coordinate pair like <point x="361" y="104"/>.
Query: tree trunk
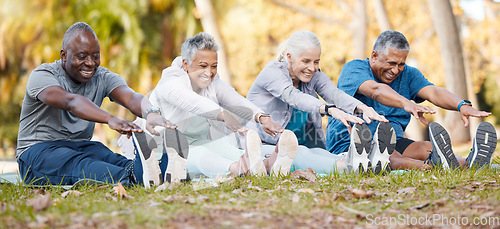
<point x="359" y="29"/>
<point x="488" y="10"/>
<point x="381" y="15"/>
<point x="209" y="23"/>
<point x="451" y="51"/>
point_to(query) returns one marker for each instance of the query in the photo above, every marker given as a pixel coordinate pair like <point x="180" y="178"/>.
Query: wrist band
<point x="262" y="114"/>
<point x="328" y="106"/>
<point x="152" y="109"/>
<point x="463" y="102"/>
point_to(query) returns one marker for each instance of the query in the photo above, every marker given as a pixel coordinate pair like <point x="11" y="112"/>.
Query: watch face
<point x="467" y="102"/>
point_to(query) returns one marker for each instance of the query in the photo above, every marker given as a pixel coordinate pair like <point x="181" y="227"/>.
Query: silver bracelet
<point x="152" y="109"/>
<point x="262" y="115"/>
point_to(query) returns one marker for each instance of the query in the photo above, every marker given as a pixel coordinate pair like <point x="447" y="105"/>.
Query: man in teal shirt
<point x="393" y="89"/>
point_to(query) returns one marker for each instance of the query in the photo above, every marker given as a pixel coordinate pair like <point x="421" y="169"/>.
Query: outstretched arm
<point x="138" y="104"/>
<point x="385" y="95"/>
<point x="445" y="99"/>
<point x="83" y="108"/>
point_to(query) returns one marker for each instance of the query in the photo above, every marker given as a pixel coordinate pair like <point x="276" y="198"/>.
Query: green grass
<point x="267" y="202"/>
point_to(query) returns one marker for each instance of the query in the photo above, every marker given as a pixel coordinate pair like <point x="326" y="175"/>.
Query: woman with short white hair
<point x="210" y="113"/>
<point x="287" y="89"/>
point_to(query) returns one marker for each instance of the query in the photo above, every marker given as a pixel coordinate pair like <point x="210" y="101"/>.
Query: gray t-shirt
<point x="40" y="122"/>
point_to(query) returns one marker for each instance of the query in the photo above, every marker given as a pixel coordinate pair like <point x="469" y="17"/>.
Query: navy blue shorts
<point x="402" y="144"/>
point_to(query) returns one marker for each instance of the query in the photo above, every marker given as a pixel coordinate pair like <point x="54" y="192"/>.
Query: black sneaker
<point x="442" y="154"/>
<point x="147" y="152"/>
<point x="383" y="145"/>
<point x="357" y="155"/>
<point x="484" y="145"/>
<point x="174" y="159"/>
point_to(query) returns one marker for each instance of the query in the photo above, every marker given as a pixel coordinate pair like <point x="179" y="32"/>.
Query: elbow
<point x="376" y="91"/>
<point x="72" y="102"/>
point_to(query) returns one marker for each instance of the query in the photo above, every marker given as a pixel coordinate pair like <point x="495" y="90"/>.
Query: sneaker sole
<point x="362" y="138"/>
<point x="176" y="146"/>
<point x="440" y="138"/>
<point x="145" y="144"/>
<point x="287" y="150"/>
<point x="385" y="145"/>
<point x="254" y="147"/>
<point x="485" y="143"/>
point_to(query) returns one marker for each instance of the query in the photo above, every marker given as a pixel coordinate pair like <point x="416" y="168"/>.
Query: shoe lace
<point x="429" y="158"/>
<point x="467" y="159"/>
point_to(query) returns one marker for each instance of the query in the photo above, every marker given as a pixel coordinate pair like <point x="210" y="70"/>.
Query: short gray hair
<point x="299" y="42"/>
<point x="71" y="32"/>
<point x="391" y="39"/>
<point x="201" y="41"/>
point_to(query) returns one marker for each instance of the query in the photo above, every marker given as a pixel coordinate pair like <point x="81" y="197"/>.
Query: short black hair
<point x="70" y="33"/>
<point x="391" y="39"/>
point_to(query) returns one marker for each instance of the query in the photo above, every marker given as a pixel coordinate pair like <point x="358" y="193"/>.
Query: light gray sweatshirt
<point x="273" y="92"/>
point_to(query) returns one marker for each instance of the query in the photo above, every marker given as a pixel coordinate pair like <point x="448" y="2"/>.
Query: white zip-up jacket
<point x="179" y="103"/>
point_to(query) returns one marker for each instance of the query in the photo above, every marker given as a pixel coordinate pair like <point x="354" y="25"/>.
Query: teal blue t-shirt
<point x="356" y="72"/>
<point x="298" y="123"/>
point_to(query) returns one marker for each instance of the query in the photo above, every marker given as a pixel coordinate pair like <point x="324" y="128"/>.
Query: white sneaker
<point x="147" y="154"/>
<point x="175" y="153"/>
<point x="287" y="150"/>
<point x="254" y="149"/>
<point x="357" y="155"/>
<point x="383" y="145"/>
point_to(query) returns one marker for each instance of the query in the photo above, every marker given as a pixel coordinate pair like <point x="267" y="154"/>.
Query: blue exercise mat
<point x="15" y="178"/>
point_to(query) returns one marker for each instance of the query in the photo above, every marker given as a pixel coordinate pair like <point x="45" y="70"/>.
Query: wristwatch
<point x="463" y="102"/>
<point x="327" y="106"/>
<point x="262" y="115"/>
<point x="152" y="109"/>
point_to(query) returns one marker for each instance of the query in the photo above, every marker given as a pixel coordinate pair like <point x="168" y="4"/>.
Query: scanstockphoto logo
<point x="432" y="220"/>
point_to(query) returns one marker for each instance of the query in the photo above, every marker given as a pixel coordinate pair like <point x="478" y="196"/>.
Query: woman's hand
<point x="343" y="117"/>
<point x="231" y="123"/>
<point x="369" y="114"/>
<point x="269" y="126"/>
<point x="154" y="119"/>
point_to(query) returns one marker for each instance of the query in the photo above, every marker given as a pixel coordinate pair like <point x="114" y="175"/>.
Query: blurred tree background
<point x="139" y="38"/>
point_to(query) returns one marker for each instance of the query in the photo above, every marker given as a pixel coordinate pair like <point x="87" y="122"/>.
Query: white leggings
<point x="211" y="158"/>
<point x="319" y="160"/>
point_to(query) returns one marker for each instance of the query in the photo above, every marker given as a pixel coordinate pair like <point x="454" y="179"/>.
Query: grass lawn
<point x="460" y="198"/>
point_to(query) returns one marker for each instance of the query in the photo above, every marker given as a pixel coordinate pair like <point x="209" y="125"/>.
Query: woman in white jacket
<point x="209" y="113"/>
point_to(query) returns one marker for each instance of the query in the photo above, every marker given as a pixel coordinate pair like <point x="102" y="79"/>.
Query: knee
<point x="426" y="146"/>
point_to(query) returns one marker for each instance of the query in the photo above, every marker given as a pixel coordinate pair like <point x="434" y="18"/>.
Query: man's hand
<point x="466" y="111"/>
<point x="417" y="111"/>
<point x="369" y="114"/>
<point x="154" y="119"/>
<point x="231" y="123"/>
<point x="345" y="118"/>
<point x="269" y="126"/>
<point x="123" y="126"/>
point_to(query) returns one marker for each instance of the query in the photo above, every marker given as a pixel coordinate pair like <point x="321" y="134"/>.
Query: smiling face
<point x="202" y="69"/>
<point x="81" y="57"/>
<point x="387" y="67"/>
<point x="303" y="67"/>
